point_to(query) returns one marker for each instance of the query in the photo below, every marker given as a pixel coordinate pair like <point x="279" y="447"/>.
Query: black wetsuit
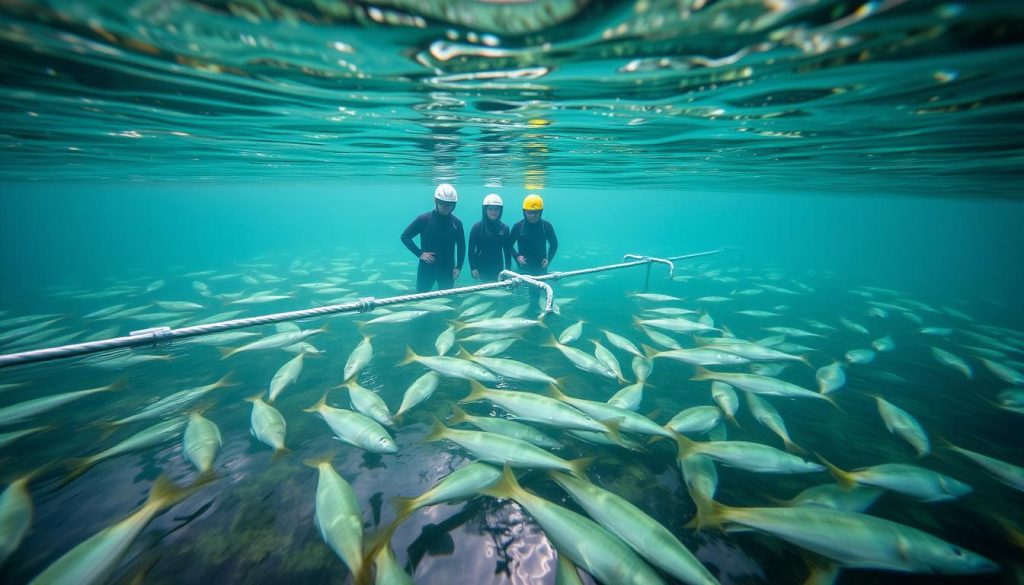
<point x="442" y="235"/>
<point x="490" y="247"/>
<point x="534" y="242"/>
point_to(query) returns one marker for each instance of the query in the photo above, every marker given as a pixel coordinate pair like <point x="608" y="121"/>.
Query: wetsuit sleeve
<point x="552" y="243"/>
<point x="474" y="235"/>
<point x="513" y="237"/>
<point x="460" y="247"/>
<point x="415" y="228"/>
<point x="506" y="249"/>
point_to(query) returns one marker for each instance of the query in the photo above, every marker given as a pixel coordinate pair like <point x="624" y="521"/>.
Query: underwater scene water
<point x="830" y="395"/>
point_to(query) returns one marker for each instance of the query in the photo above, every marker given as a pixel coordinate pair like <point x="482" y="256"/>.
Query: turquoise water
<point x="850" y="158"/>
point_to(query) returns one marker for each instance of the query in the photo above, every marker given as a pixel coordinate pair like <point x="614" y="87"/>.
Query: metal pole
<point x="157" y="336"/>
<point x="697" y="254"/>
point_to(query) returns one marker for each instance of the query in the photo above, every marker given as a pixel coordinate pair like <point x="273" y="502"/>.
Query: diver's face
<point x="493" y="211"/>
<point x="532" y="216"/>
<point x="444" y="207"/>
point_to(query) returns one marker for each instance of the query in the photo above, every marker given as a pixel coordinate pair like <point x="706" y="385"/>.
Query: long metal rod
<point x="696" y="254"/>
<point x="163" y="335"/>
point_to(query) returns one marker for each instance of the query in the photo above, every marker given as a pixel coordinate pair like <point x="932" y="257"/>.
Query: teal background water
<point x="835" y="145"/>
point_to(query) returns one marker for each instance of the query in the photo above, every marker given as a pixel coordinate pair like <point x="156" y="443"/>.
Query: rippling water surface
<point x="919" y="97"/>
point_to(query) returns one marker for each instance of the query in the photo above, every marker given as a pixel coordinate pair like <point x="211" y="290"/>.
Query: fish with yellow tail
<point x="338" y="518"/>
<point x="94" y="560"/>
<point x="268" y="426"/>
<point x="499" y="449"/>
<point x="853" y="540"/>
<point x="643" y="534"/>
<point x="585" y="542"/>
<point x="917" y="482"/>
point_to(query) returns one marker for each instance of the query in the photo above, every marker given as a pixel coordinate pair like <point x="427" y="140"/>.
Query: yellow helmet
<point x="533" y="202"/>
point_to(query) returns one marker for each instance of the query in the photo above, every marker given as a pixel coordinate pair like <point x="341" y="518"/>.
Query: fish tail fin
<point x="833" y="402"/>
<point x="732" y="418"/>
<point x="477" y="392"/>
<point x="319" y="460"/>
<point x="637" y="322"/>
<point x="506" y="488"/>
<point x="806" y="361"/>
<point x="462" y="353"/>
<point x="551" y="342"/>
<point x="459" y="416"/>
<point x="845" y="479"/>
<point x="701" y="373"/>
<point x="226" y="352"/>
<point x="254" y="397"/>
<point x="373" y="545"/>
<point x="107" y="428"/>
<point x="655" y="438"/>
<point x="323" y="328"/>
<point x="29" y="477"/>
<point x="410" y="357"/>
<point x="685" y="446"/>
<point x="164" y="493"/>
<point x="944" y="442"/>
<point x="361" y="324"/>
<point x="555" y="392"/>
<point x="823" y="571"/>
<point x="613" y="428"/>
<point x="710" y="514"/>
<point x="316" y="407"/>
<point x="438" y="432"/>
<point x="649" y="351"/>
<point x="793" y="447"/>
<point x="226" y="381"/>
<point x="118" y="384"/>
<point x="458" y="325"/>
<point x="280" y="453"/>
<point x="705" y="511"/>
<point x="579" y="467"/>
<point x="404" y="507"/>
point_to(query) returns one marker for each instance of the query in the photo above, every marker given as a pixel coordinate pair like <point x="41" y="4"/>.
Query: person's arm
<point x="474" y="246"/>
<point x="552" y="243"/>
<point x="506" y="248"/>
<point x="415" y="228"/>
<point x="513" y="238"/>
<point x="460" y="247"/>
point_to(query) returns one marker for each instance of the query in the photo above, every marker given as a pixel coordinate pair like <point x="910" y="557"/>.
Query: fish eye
<point x="958" y="552"/>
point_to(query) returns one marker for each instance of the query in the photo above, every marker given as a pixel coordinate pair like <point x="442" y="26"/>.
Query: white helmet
<point x="447" y="193"/>
<point x="493" y="199"/>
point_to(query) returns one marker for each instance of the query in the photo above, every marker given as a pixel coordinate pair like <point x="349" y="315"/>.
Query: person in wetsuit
<point x="490" y="247"/>
<point x="533" y="242"/>
<point x="442" y="248"/>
